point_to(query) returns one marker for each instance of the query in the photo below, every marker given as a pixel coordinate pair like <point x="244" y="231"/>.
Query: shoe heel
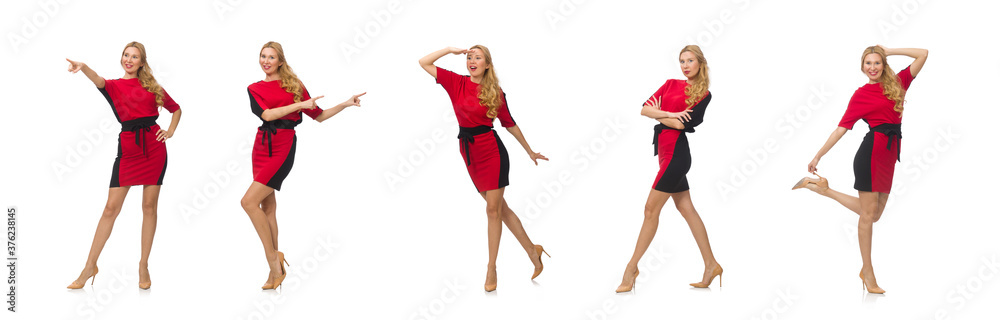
<point x="546" y="253"/>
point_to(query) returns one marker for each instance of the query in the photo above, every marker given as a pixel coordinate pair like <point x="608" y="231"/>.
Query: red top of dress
<point x="868" y="103"/>
<point x="270" y="95"/>
<point x="130" y="100"/>
<point x="464" y="96"/>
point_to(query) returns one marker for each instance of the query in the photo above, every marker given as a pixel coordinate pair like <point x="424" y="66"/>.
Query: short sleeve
<point x="449" y="80"/>
<point x="314" y="112"/>
<point x="255" y="104"/>
<point x="658" y="93"/>
<point x="168" y="102"/>
<point x="110" y="89"/>
<point x="503" y="113"/>
<point x="851" y="116"/>
<point x="905" y="78"/>
<point x="698" y="113"/>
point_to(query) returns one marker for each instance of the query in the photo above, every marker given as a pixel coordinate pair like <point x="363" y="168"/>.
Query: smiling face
<point x="131" y="60"/>
<point x="475" y="61"/>
<point x="689" y="64"/>
<point x="269" y="61"/>
<point x="872" y="66"/>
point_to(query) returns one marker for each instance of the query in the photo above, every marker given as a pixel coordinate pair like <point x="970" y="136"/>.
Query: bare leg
<point x="150" y="198"/>
<point x="869" y="205"/>
<point x="654" y="204"/>
<point x="251" y="204"/>
<point x="116" y="196"/>
<point x="682" y="200"/>
<point x="270" y="207"/>
<point x="494" y="205"/>
<point x="513" y="224"/>
<point x="850" y="202"/>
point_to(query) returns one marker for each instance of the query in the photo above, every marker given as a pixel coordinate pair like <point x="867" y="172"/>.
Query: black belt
<point x="894" y="132"/>
<point x="137" y="126"/>
<point x="656" y="136"/>
<point x="467" y="136"/>
<point x="271" y="127"/>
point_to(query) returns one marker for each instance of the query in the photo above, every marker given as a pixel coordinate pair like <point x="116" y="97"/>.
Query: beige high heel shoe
<point x="822" y="183"/>
<point x="864" y="284"/>
<point x="145" y="285"/>
<point x="715" y="272"/>
<point x="622" y="288"/>
<point x="538" y="251"/>
<point x="490" y="287"/>
<point x="78" y="286"/>
<point x="275" y="282"/>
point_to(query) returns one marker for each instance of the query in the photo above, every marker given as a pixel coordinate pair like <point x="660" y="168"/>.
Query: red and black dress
<point x="671" y="145"/>
<point x="484" y="153"/>
<point x="876" y="159"/>
<point x="142" y="160"/>
<point x="274" y="146"/>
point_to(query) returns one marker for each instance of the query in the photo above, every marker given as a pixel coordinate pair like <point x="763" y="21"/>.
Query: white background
<point x="362" y="246"/>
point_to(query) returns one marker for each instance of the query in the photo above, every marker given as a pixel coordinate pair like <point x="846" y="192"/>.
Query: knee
<point x="111" y="212"/>
<point x="248" y="204"/>
<point x="493" y="212"/>
<point x="651" y="213"/>
<point x="868" y="217"/>
<point x="149" y="208"/>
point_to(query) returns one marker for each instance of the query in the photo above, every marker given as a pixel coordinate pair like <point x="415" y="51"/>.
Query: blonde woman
<point x="279" y="101"/>
<point x="679" y="106"/>
<point x="477" y="100"/>
<point x="142" y="151"/>
<point x="880" y="104"/>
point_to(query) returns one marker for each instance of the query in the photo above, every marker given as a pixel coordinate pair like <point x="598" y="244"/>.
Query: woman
<point x="477" y="100"/>
<point x="679" y="106"/>
<point x="880" y="104"/>
<point x="279" y="101"/>
<point x="142" y="151"/>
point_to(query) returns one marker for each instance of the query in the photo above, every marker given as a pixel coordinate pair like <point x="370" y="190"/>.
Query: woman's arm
<point x="673" y="123"/>
<point x="163" y="135"/>
<point x="277" y="113"/>
<point x="919" y="57"/>
<point x="516" y="132"/>
<point x="76" y="66"/>
<point x="834" y="137"/>
<point x="427" y="62"/>
<point x="652" y="110"/>
<point x="355" y="100"/>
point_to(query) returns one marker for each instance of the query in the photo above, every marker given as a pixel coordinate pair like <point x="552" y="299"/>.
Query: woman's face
<point x="475" y="61"/>
<point x="131" y="60"/>
<point x="872" y="66"/>
<point x="269" y="61"/>
<point x="689" y="64"/>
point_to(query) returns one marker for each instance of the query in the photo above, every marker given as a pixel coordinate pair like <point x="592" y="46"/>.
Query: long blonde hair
<point x="146" y="79"/>
<point x="289" y="81"/>
<point x="699" y="85"/>
<point x="891" y="87"/>
<point x="489" y="88"/>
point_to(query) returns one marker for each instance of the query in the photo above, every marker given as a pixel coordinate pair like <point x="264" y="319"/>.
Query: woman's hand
<point x="535" y="156"/>
<point x="454" y="50"/>
<point x="683" y="116"/>
<point x="75" y="66"/>
<point x="309" y="104"/>
<point x="812" y="165"/>
<point x="884" y="48"/>
<point x="163" y="135"/>
<point x="355" y="100"/>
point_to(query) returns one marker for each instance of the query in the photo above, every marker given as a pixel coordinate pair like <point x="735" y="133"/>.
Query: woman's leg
<point x="869" y="206"/>
<point x="150" y="198"/>
<point x="270" y="207"/>
<point x="116" y="196"/>
<point x="651" y="220"/>
<point x="251" y="204"/>
<point x="513" y="224"/>
<point x="494" y="205"/>
<point x="684" y="205"/>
